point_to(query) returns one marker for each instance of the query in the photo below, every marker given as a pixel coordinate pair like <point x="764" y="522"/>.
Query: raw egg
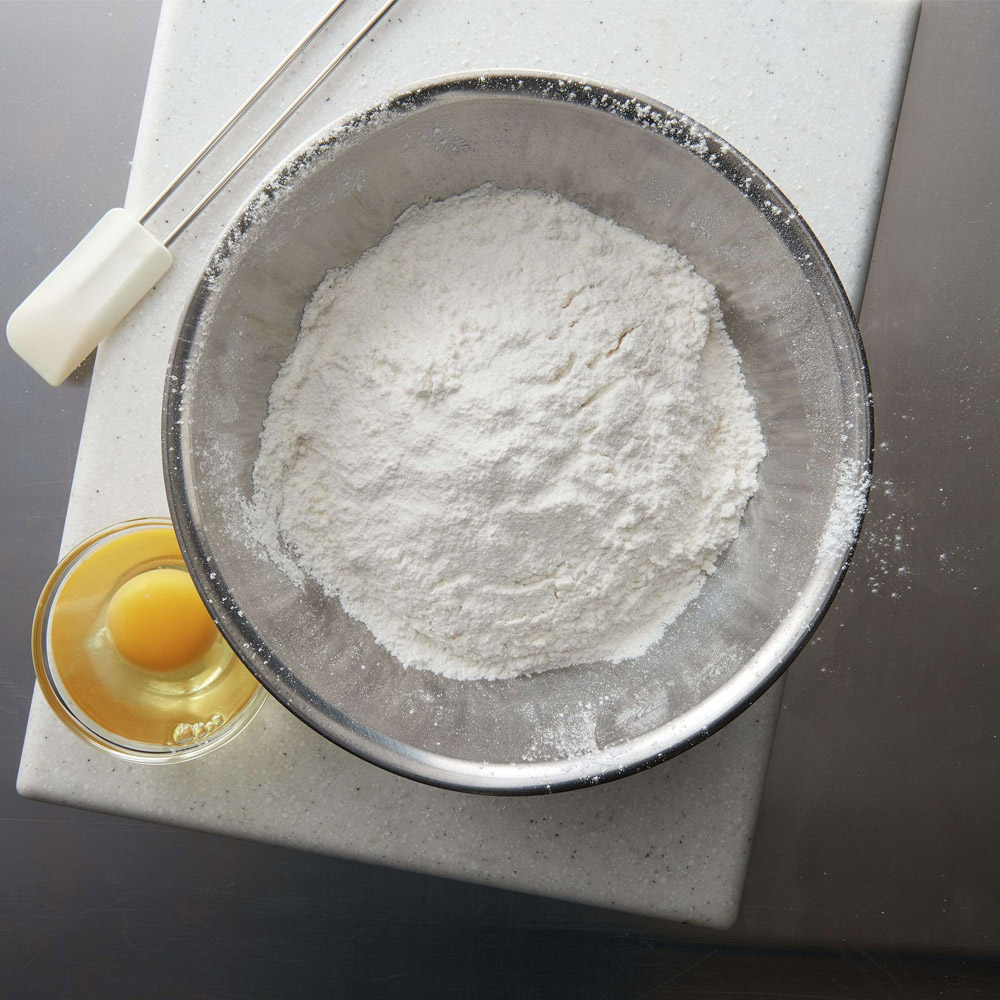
<point x="157" y="620"/>
<point x="131" y="647"/>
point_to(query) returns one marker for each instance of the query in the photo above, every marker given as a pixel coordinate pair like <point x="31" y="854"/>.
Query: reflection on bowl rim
<point x="723" y="704"/>
<point x="75" y="720"/>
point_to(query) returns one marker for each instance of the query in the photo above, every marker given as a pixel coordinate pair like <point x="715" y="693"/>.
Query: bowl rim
<point x="702" y="720"/>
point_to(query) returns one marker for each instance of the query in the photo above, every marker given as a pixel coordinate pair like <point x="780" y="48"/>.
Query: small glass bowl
<point x="199" y="738"/>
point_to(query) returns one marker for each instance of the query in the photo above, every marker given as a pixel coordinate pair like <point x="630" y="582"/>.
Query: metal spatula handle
<point x="106" y="274"/>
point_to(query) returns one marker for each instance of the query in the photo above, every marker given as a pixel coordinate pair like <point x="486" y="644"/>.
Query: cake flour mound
<point x="513" y="436"/>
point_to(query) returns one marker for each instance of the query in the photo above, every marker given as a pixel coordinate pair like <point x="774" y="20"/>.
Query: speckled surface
<point x="809" y="91"/>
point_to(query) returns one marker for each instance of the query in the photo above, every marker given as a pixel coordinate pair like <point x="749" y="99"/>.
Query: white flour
<point x="512" y="437"/>
<point x="849" y="503"/>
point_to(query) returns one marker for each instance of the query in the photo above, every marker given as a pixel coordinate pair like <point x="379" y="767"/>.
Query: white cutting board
<point x="809" y="91"/>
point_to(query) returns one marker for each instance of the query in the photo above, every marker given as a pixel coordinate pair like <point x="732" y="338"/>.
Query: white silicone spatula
<point x="105" y="275"/>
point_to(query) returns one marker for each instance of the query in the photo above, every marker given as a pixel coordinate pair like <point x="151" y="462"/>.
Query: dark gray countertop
<point x="877" y="838"/>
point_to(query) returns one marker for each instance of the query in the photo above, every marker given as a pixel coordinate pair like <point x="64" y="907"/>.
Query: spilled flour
<point x="514" y="436"/>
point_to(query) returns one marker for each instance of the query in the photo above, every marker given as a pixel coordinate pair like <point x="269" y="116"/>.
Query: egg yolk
<point x="157" y="620"/>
